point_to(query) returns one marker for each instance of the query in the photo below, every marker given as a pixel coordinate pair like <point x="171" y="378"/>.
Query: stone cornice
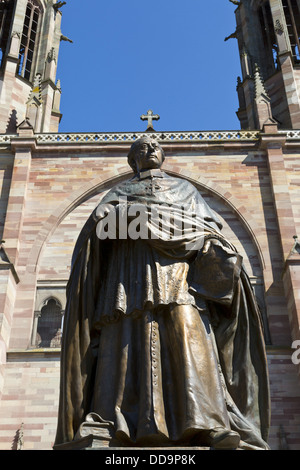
<point x="24" y="355"/>
<point x="111" y="139"/>
<point x="163" y="137"/>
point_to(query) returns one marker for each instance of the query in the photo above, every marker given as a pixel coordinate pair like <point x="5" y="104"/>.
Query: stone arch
<point x="46" y="301"/>
<point x="256" y="235"/>
<point x="109" y="179"/>
<point x="256" y="232"/>
<point x="96" y="186"/>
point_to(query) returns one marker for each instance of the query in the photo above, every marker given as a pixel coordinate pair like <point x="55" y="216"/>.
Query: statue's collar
<point x="155" y="173"/>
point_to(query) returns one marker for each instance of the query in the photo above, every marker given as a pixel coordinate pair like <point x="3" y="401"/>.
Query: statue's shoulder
<point x="119" y="190"/>
<point x="182" y="184"/>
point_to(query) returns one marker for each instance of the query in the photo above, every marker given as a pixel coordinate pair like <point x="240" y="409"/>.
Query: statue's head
<point x="145" y="154"/>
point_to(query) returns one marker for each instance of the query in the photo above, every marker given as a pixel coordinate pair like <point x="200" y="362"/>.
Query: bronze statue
<point x="162" y="339"/>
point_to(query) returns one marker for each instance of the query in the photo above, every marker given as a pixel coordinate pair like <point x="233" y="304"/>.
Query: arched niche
<point x="47" y="325"/>
<point x="55" y="252"/>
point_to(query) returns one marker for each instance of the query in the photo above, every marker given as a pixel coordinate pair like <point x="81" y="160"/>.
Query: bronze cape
<point x="162" y="342"/>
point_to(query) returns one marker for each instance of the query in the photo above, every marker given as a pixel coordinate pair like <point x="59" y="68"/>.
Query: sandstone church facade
<point x="50" y="182"/>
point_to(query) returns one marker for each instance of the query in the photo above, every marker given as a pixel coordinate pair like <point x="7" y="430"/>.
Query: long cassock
<point x="160" y="339"/>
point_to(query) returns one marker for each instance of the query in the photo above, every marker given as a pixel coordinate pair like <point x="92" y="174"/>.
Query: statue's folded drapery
<point x="161" y="339"/>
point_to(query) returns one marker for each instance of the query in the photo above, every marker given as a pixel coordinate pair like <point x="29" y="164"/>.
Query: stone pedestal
<point x="97" y="434"/>
<point x="94" y="443"/>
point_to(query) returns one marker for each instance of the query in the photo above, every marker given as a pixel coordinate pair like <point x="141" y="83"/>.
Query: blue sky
<point x="129" y="56"/>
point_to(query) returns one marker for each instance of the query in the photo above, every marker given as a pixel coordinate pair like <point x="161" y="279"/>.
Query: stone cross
<point x="150" y="117"/>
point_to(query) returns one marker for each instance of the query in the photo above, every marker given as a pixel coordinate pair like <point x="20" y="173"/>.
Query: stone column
<point x="286" y="63"/>
<point x="273" y="143"/>
<point x="291" y="280"/>
<point x="22" y="147"/>
<point x="37" y="315"/>
<point x="8" y="284"/>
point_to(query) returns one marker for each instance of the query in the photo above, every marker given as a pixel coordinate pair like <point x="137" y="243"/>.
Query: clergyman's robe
<point x="162" y="340"/>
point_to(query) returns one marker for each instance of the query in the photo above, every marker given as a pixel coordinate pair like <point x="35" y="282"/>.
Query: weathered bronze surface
<point x="162" y="341"/>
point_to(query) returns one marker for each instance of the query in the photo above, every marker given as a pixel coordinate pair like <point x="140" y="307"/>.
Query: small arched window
<point x="48" y="325"/>
<point x="29" y="39"/>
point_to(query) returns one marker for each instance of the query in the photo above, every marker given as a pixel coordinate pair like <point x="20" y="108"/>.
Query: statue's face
<point x="148" y="155"/>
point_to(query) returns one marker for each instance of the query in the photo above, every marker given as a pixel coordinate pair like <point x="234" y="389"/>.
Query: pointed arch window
<point x="271" y="63"/>
<point x="292" y="16"/>
<point x="6" y="12"/>
<point x="29" y="39"/>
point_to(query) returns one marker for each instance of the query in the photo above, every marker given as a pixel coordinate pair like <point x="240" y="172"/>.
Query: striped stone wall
<point x="48" y="195"/>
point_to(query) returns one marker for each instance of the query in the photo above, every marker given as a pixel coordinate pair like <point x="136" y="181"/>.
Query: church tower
<point x="30" y="36"/>
<point x="268" y="39"/>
